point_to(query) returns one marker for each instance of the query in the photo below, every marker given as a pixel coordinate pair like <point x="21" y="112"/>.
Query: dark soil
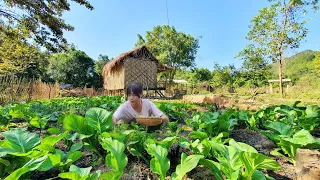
<point x="138" y="170"/>
<point x="261" y="143"/>
<point x="265" y="146"/>
<point x="200" y="172"/>
<point x="40" y="175"/>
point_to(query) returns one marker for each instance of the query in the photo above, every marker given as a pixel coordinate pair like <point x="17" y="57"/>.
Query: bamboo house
<point x="137" y="65"/>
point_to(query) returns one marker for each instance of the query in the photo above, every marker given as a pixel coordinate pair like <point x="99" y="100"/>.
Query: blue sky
<point x="112" y="27"/>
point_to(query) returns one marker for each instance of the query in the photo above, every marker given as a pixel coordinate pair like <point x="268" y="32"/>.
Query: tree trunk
<point x="280" y="75"/>
<point x="280" y="51"/>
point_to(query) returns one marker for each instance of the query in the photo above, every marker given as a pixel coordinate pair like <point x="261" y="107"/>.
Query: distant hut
<point x="137" y="65"/>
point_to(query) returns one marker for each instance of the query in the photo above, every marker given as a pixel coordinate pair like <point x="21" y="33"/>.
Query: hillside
<point x="300" y="65"/>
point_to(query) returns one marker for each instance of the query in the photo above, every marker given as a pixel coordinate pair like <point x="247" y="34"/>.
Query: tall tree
<point x="203" y="74"/>
<point x="277" y="28"/>
<point x="72" y="67"/>
<point x="99" y="64"/>
<point x="255" y="68"/>
<point x="173" y="48"/>
<point x="16" y="55"/>
<point x="41" y="18"/>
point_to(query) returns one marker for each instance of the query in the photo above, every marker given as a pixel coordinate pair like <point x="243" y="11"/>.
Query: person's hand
<point x="164" y="119"/>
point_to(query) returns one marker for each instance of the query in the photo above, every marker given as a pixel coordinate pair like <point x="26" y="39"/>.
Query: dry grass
<point x="15" y="89"/>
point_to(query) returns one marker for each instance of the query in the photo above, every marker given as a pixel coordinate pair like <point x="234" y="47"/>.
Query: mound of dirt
<point x="205" y="99"/>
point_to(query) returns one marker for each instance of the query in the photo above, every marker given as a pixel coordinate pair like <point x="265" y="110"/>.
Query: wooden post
<point x="277" y="80"/>
<point x="271" y="90"/>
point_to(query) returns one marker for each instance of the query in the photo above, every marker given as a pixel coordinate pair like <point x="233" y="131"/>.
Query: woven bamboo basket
<point x="149" y="121"/>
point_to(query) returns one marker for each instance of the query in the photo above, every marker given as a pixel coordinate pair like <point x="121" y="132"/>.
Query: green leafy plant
<point x="76" y="173"/>
<point x="32" y="165"/>
<point x="18" y="142"/>
<point x="159" y="164"/>
<point x="99" y="119"/>
<point x="289" y="145"/>
<point x="116" y="159"/>
<point x="187" y="164"/>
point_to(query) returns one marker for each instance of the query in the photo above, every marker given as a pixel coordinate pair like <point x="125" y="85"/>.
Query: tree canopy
<point x="277" y="28"/>
<point x="16" y="54"/>
<point x="42" y="19"/>
<point x="173" y="48"/>
<point x="72" y="67"/>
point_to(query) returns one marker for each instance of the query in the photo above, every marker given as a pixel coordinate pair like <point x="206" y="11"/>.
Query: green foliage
<point x="254" y="161"/>
<point x="116" y="159"/>
<point x="275" y="29"/>
<point x="159" y="164"/>
<point x="187" y="164"/>
<point x="18" y="141"/>
<point x="99" y="64"/>
<point x="173" y="48"/>
<point x="290" y="127"/>
<point x="72" y="67"/>
<point x="19" y="57"/>
<point x="76" y="173"/>
<point x="255" y="70"/>
<point x="32" y="165"/>
<point x="99" y="119"/>
<point x="301" y="65"/>
<point x="42" y="18"/>
<point x="78" y="124"/>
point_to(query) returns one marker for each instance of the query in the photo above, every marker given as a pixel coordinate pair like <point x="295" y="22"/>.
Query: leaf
<point x="116" y="160"/>
<point x="95" y="175"/>
<point x="31" y="165"/>
<point x="53" y="131"/>
<point x="21" y="142"/>
<point x="256" y="161"/>
<point x="258" y="175"/>
<point x="303" y="137"/>
<point x="81" y="171"/>
<point x="77" y="123"/>
<point x="53" y="161"/>
<point x="275" y="152"/>
<point x="75" y="147"/>
<point x="159" y="164"/>
<point x="167" y="142"/>
<point x="198" y="135"/>
<point x="213" y="166"/>
<point x="99" y="119"/>
<point x="281" y="128"/>
<point x="5" y="162"/>
<point x="187" y="164"/>
<point x="312" y="111"/>
<point x="38" y="122"/>
<point x="242" y="146"/>
<point x="70" y="175"/>
<point x="107" y="176"/>
<point x="184" y="142"/>
<point x="52" y="140"/>
<point x="72" y="157"/>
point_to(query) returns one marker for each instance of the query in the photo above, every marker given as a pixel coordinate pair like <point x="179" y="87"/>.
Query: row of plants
<point x="85" y="129"/>
<point x="39" y="113"/>
<point x="24" y="152"/>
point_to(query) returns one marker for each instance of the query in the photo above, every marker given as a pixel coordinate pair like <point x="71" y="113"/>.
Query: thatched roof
<point x="136" y="53"/>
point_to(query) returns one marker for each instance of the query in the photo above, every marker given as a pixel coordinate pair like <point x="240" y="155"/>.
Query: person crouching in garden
<point x="136" y="106"/>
